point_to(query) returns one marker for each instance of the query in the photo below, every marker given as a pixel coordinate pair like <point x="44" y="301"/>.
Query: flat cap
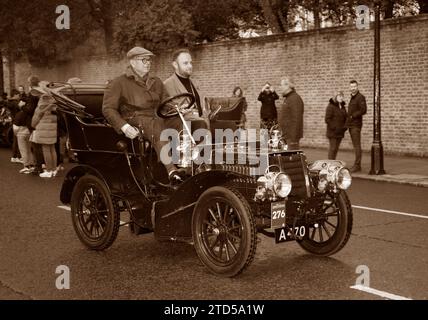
<point x="138" y="52"/>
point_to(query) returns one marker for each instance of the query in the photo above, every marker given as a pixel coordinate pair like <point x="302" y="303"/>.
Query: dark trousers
<point x="39" y="159"/>
<point x="15" y="149"/>
<point x="334" y="147"/>
<point x="355" y="133"/>
<point x="60" y="159"/>
<point x="152" y="129"/>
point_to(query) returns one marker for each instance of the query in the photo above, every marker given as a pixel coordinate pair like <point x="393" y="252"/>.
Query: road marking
<point x="380" y="293"/>
<point x="67" y="208"/>
<point x="393" y="212"/>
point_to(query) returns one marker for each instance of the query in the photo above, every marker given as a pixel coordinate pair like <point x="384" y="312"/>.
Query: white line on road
<point x="382" y="294"/>
<point x="393" y="212"/>
<point x="67" y="208"/>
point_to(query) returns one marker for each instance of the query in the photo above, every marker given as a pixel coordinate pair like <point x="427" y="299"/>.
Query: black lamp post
<point x="377" y="147"/>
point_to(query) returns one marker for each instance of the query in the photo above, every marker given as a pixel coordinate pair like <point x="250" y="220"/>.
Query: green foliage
<point x="153" y="24"/>
<point x="223" y="19"/>
<point x="28" y="27"/>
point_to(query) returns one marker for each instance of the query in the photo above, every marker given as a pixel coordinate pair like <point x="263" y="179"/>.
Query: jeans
<point x="24" y="145"/>
<point x="355" y="133"/>
<point x="15" y="149"/>
<point x="334" y="148"/>
<point x="49" y="154"/>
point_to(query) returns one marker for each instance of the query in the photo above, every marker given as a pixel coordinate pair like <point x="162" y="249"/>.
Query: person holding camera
<point x="268" y="113"/>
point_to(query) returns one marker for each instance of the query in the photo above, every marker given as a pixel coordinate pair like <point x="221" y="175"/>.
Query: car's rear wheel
<point x="330" y="231"/>
<point x="224" y="231"/>
<point x="95" y="218"/>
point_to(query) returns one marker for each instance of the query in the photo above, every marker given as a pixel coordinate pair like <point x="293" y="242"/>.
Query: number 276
<point x="278" y="214"/>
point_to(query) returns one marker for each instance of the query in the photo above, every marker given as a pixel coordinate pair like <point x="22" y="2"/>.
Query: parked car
<point x="220" y="208"/>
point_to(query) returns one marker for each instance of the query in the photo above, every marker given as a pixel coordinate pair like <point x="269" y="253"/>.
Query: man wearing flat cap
<point x="130" y="102"/>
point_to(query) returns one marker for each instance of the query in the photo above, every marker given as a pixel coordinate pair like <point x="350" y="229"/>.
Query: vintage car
<point x="219" y="207"/>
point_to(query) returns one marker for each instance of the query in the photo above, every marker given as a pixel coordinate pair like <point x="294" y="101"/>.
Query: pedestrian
<point x="335" y="118"/>
<point x="268" y="113"/>
<point x="21" y="92"/>
<point x="291" y="114"/>
<point x="23" y="127"/>
<point x="12" y="105"/>
<point x="44" y="122"/>
<point x="237" y="92"/>
<point x="61" y="142"/>
<point x="357" y="107"/>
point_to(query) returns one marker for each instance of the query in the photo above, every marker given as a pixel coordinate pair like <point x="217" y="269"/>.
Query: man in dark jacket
<point x="356" y="109"/>
<point x="130" y="102"/>
<point x="23" y="121"/>
<point x="335" y="117"/>
<point x="291" y="114"/>
<point x="12" y="105"/>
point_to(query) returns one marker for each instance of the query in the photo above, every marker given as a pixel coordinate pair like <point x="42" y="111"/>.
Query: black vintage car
<point x="219" y="208"/>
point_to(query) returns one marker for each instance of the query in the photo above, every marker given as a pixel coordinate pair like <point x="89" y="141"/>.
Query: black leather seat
<point x="93" y="104"/>
<point x="230" y="113"/>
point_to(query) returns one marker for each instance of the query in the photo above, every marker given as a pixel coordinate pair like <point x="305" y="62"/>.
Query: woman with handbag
<point x="335" y="117"/>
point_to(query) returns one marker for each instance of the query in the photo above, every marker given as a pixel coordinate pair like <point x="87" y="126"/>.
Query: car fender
<point x="117" y="181"/>
<point x="173" y="217"/>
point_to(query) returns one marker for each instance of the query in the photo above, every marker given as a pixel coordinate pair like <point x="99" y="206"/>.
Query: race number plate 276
<point x="278" y="214"/>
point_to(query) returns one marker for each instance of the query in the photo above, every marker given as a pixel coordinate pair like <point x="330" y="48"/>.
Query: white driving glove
<point x="129" y="131"/>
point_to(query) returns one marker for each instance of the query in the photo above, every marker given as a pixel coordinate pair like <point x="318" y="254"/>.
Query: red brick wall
<point x="321" y="62"/>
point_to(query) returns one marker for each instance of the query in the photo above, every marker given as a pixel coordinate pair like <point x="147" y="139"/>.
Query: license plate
<point x="278" y="214"/>
<point x="284" y="234"/>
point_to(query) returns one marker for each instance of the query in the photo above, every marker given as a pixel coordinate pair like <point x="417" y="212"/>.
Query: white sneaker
<point x="13" y="160"/>
<point x="26" y="170"/>
<point x="18" y="160"/>
<point x="47" y="174"/>
<point x="58" y="169"/>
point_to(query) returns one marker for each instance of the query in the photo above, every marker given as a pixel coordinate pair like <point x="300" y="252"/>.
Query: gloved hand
<point x="129" y="131"/>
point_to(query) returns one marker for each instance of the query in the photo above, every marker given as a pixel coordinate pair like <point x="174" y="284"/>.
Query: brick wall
<point x="321" y="62"/>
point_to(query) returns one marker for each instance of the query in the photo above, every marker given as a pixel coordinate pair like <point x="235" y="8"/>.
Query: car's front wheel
<point x="330" y="230"/>
<point x="224" y="231"/>
<point x="94" y="216"/>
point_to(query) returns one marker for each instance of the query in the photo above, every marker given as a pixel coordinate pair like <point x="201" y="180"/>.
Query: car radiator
<point x="295" y="166"/>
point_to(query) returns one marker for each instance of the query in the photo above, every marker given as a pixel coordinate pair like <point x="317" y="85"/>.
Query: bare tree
<point x="275" y="13"/>
<point x="102" y="12"/>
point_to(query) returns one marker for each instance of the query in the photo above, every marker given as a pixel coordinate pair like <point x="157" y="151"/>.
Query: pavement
<point x="399" y="169"/>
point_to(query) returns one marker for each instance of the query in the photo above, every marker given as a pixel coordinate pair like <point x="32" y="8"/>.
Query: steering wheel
<point x="168" y="109"/>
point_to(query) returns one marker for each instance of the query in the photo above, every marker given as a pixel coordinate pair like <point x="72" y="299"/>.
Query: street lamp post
<point x="377" y="147"/>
